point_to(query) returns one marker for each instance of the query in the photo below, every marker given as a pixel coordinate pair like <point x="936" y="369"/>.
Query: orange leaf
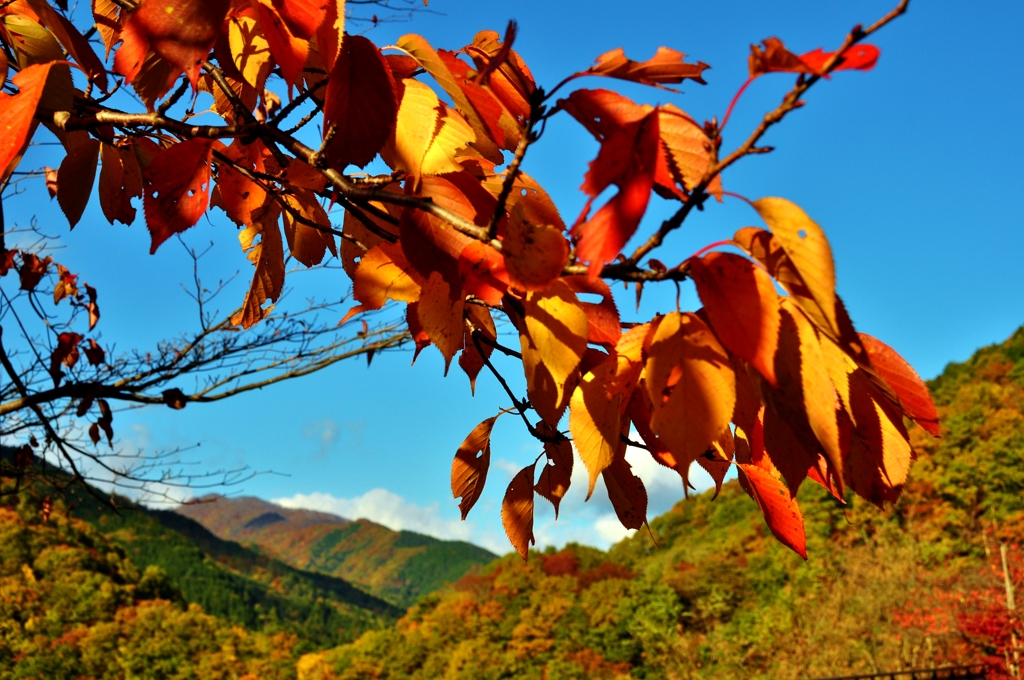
<point x="383" y="274"/>
<point x="469" y="469"/>
<point x="557" y="473"/>
<point x="691" y="384"/>
<point x="717" y="460"/>
<point x="689" y="149"/>
<point x="553" y="337"/>
<point x="307" y="243"/>
<point x="534" y="253"/>
<point x="238" y="195"/>
<point x="107" y="16"/>
<point x="742" y="306"/>
<point x="774" y="57"/>
<point x="780" y="510"/>
<point x="331" y="33"/>
<point x="879" y="455"/>
<point x="181" y="32"/>
<point x="626" y="492"/>
<point x="302" y="17"/>
<point x="77" y="174"/>
<point x="120" y="182"/>
<point x="440" y="313"/>
<point x="360" y="106"/>
<point x="859" y="57"/>
<point x="177" y="189"/>
<point x="16" y="111"/>
<point x="361" y="239"/>
<point x="289" y="49"/>
<point x="92" y="307"/>
<point x="517" y="511"/>
<point x="913" y="394"/>
<point x="666" y="66"/>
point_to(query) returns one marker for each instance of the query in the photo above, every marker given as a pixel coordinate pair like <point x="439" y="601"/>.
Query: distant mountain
<point x="397" y="566"/>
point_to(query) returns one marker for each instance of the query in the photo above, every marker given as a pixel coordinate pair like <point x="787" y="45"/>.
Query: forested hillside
<point x="713" y="595"/>
<point x="397" y="566"/>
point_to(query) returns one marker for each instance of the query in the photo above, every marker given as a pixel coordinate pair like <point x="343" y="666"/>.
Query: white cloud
<point x="324" y="432"/>
<point x="388" y="508"/>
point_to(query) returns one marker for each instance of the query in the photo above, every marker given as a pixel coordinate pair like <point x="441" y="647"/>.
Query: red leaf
<point x="859" y="57"/>
<point x="289" y="50"/>
<point x="76" y="175"/>
<point x="627" y="159"/>
<point x="780" y="510"/>
<point x="360" y="105"/>
<point x="181" y="32"/>
<point x="178" y="189"/>
<point x="626" y="492"/>
<point x="904" y="381"/>
<point x="302" y="17"/>
<point x="32" y="270"/>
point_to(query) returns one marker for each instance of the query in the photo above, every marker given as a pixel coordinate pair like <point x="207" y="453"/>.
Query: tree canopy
<point x="769" y="377"/>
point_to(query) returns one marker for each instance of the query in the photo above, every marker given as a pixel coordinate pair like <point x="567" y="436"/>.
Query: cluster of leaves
<point x="780" y="386"/>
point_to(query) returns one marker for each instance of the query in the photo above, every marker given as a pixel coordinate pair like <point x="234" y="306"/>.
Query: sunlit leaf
<point x="469" y="468"/>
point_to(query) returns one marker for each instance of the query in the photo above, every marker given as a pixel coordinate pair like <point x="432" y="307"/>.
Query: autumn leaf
<point x="774" y="57"/>
<point x="627" y="159"/>
<point x="107" y="17"/>
<point x="77" y="174"/>
<point x="691" y="384"/>
<point x="289" y="49"/>
<point x="742" y="306"/>
<point x="307" y="228"/>
<point x="689" y="149"/>
<point x="912" y="392"/>
<point x="95" y="354"/>
<point x="478" y="319"/>
<point x="517" y="511"/>
<point x="717" y="460"/>
<point x="383" y="274"/>
<point x="181" y="32"/>
<point x="553" y="337"/>
<point x="64" y="354"/>
<point x="250" y="52"/>
<point x="469" y="469"/>
<point x="66" y="284"/>
<point x="666" y="66"/>
<point x="534" y="253"/>
<point x="557" y="473"/>
<point x="360" y="106"/>
<point x="879" y="455"/>
<point x="626" y="492"/>
<point x="120" y="182"/>
<point x="32" y="270"/>
<point x="440" y="314"/>
<point x="780" y="510"/>
<point x="858" y="57"/>
<point x="595" y="420"/>
<point x="16" y="111"/>
<point x="91" y="306"/>
<point x="177" y="189"/>
<point x="603" y="324"/>
<point x="810" y="255"/>
<point x="237" y="193"/>
<point x="268" y="257"/>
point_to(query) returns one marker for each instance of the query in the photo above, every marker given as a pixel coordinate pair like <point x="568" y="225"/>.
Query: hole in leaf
<point x="802" y="233"/>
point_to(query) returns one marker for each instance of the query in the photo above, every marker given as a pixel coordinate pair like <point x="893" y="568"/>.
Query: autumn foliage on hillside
<point x="769" y="376"/>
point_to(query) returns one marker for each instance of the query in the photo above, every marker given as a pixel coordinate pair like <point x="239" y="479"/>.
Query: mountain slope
<point x="397" y="566"/>
<point x="718" y="597"/>
<point x="236" y="583"/>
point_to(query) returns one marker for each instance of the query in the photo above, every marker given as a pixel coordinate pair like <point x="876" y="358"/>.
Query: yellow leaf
<point x="819" y="394"/>
<point x="250" y="51"/>
<point x="441" y="316"/>
<point x="691" y="384"/>
<point x="553" y="337"/>
<point x="808" y="250"/>
<point x="517" y="511"/>
<point x="469" y="468"/>
<point x="453" y="135"/>
<point x="308" y="244"/>
<point x="361" y="239"/>
<point x="595" y="420"/>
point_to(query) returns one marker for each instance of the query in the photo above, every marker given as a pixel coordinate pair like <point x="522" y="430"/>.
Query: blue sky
<point x="914" y="170"/>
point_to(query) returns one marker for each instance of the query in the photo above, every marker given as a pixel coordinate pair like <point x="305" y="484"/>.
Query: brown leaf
<point x="120" y="182"/>
<point x="77" y="174"/>
<point x="65" y="353"/>
<point x="175" y="398"/>
<point x="95" y="354"/>
<point x="32" y="270"/>
<point x="469" y="468"/>
<point x="557" y="473"/>
<point x="666" y="66"/>
<point x="517" y="511"/>
<point x="66" y="285"/>
<point x="268" y="258"/>
<point x="626" y="492"/>
<point x="92" y="306"/>
<point x="471" y="360"/>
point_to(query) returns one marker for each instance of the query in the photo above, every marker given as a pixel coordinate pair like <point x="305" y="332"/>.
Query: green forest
<point x="89" y="593"/>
